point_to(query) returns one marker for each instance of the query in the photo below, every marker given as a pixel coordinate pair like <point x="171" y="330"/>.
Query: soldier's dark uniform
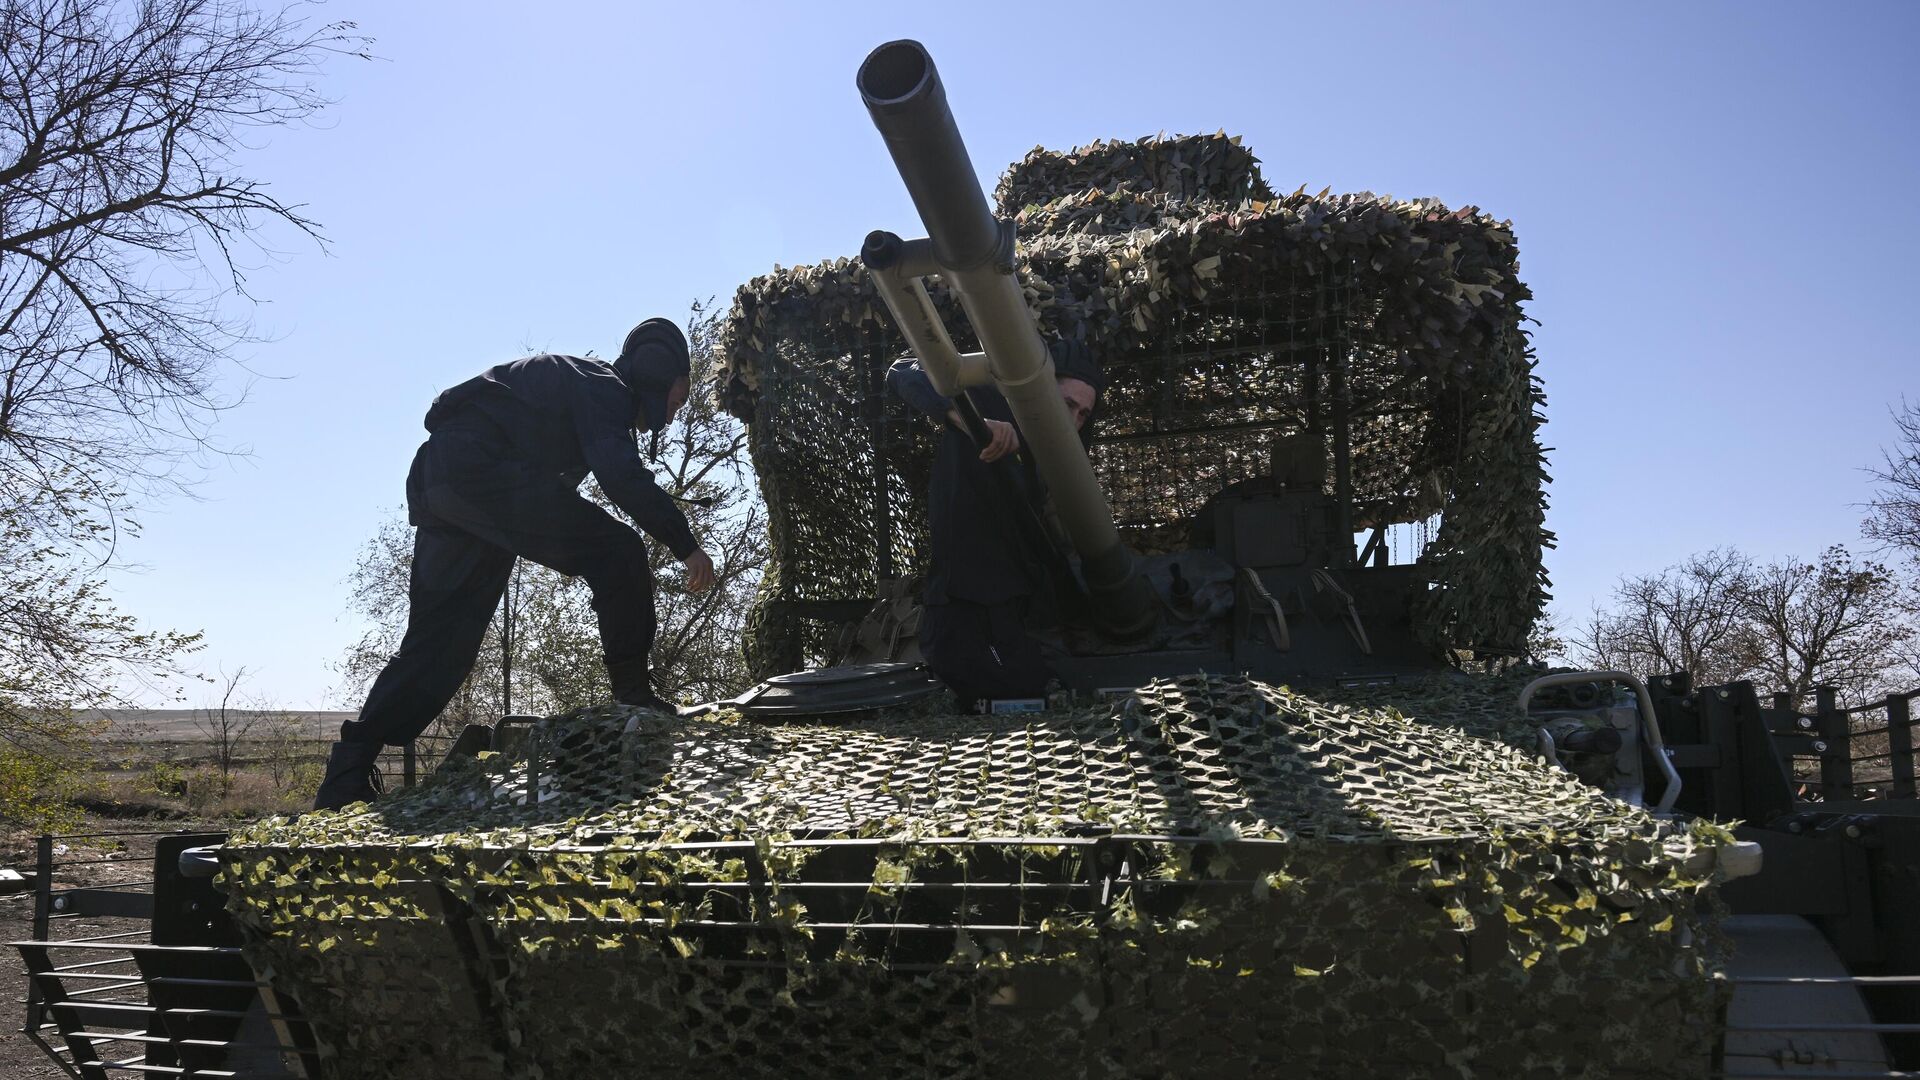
<point x="981" y="579"/>
<point x="497" y="478"/>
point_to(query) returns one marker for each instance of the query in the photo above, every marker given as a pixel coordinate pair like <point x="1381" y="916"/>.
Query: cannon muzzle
<point x="974" y="252"/>
<point x="908" y="103"/>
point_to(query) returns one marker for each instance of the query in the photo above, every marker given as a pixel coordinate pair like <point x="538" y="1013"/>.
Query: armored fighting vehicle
<point x="1297" y="808"/>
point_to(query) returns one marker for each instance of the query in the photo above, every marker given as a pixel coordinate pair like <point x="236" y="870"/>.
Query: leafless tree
<point x="226" y="721"/>
<point x="1893" y="515"/>
<point x="125" y="224"/>
<point x="1893" y="524"/>
<point x="1831" y="623"/>
<point x="1788" y="625"/>
<point x="1684" y="618"/>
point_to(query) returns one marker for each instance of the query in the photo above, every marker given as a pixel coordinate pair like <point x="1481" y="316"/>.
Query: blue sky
<point x="1715" y="203"/>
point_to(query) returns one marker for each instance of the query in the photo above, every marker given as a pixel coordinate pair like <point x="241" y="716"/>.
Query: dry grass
<point x="174" y="787"/>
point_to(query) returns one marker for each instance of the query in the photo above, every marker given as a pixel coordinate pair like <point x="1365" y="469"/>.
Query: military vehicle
<point x="1296" y="810"/>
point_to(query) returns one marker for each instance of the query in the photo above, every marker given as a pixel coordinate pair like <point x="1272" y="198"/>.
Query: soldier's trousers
<point x="983" y="651"/>
<point x="473" y="512"/>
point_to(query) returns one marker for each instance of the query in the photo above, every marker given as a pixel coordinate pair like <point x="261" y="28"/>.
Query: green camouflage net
<point x="1224" y="316"/>
<point x="1209" y="877"/>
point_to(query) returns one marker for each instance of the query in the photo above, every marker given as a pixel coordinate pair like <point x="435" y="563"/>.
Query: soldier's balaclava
<point x="651" y="360"/>
<point x="1073" y="360"/>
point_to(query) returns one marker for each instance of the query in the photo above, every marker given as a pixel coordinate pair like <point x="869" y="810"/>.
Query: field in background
<point x="168" y="763"/>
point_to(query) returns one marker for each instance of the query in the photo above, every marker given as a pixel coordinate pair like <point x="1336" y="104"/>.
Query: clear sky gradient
<point x="1717" y="206"/>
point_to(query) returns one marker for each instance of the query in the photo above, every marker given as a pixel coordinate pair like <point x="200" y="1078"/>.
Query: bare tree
<point x="1830" y="623"/>
<point x="1893" y="515"/>
<point x="1684" y="618"/>
<point x="1789" y="625"/>
<point x="287" y="742"/>
<point x="125" y="228"/>
<point x="1893" y="524"/>
<point x="124" y="224"/>
<point x="226" y="722"/>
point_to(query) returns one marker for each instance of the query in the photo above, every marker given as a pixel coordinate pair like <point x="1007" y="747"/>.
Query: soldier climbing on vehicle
<point x="497" y="479"/>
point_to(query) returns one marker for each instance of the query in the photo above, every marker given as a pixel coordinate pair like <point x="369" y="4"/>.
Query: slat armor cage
<point x="1224" y="316"/>
<point x="1210" y="877"/>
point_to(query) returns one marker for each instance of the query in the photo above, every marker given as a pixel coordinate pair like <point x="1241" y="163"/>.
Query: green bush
<point x="166" y="779"/>
<point x="37" y="789"/>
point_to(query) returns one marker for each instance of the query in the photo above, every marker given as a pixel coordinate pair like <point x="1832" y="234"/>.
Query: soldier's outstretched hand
<point x="699" y="571"/>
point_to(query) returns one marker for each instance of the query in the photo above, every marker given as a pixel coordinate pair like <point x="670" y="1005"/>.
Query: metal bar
<point x="407" y="765"/>
<point x="724" y="924"/>
<point x="1036" y="886"/>
<point x="42" y="886"/>
<point x="1836" y="772"/>
<point x="69" y="942"/>
<point x="91" y="964"/>
<point x="877" y="421"/>
<point x="126" y="984"/>
<point x="136" y="1065"/>
<point x="113" y="1006"/>
<point x="1900" y="736"/>
<point x="1776" y="1074"/>
<point x="137" y="1006"/>
<point x="88" y="943"/>
<point x="1826" y="980"/>
<point x="212" y="1044"/>
<point x="1891" y="1029"/>
<point x="98" y="835"/>
<point x="1342" y="455"/>
<point x="160" y="980"/>
<point x="1904" y="695"/>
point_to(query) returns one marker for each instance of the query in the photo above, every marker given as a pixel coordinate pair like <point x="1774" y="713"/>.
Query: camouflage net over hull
<point x="1212" y="877"/>
<point x="1224" y="316"/>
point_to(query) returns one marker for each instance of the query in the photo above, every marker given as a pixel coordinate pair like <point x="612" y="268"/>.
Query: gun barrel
<point x="908" y="103"/>
<point x="973" y="251"/>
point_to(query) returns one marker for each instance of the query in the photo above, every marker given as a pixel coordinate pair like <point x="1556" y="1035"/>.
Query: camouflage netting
<point x="1224" y="316"/>
<point x="1211" y="877"/>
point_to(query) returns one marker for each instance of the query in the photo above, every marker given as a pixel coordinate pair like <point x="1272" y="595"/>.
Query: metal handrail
<point x="1648" y="721"/>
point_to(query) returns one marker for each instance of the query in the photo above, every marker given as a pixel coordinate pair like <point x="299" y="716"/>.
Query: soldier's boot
<point x="351" y="776"/>
<point x="633" y="685"/>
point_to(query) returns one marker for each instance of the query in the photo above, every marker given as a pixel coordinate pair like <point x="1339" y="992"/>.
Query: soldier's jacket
<point x="564" y="417"/>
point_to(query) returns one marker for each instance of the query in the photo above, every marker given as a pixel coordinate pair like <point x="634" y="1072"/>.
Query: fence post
<point x="1836" y="761"/>
<point x="406" y="765"/>
<point x="42" y="888"/>
<point x="1900" y="743"/>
